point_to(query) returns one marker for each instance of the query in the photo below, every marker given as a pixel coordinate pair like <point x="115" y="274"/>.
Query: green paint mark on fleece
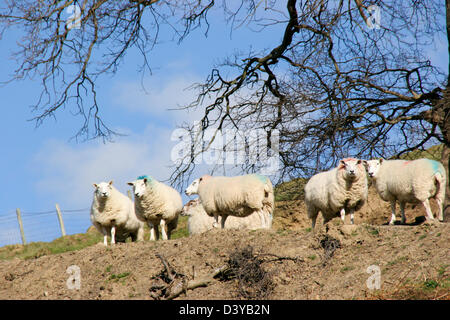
<point x="149" y="179"/>
<point x="261" y="177"/>
<point x="437" y="167"/>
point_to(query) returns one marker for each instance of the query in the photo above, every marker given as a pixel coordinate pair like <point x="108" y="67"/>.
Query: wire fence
<point x="41" y="226"/>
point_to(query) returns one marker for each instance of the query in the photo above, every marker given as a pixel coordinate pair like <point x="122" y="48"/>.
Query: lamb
<point x="337" y="191"/>
<point x="156" y="204"/>
<point x="236" y="196"/>
<point x="112" y="213"/>
<point x="409" y="182"/>
<point x="199" y="221"/>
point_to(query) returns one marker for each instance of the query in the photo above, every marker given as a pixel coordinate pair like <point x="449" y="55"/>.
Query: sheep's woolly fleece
<point x="409" y="182"/>
<point x="331" y="191"/>
<point x="114" y="209"/>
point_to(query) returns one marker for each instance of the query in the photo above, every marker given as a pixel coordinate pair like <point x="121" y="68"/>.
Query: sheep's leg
<point x="105" y="236"/>
<point x="440" y="204"/>
<point x="426" y="204"/>
<point x="313" y="221"/>
<point x="152" y="231"/>
<point x="352" y="216"/>
<point x="262" y="218"/>
<point x="162" y="224"/>
<point x="393" y="213"/>
<point x="113" y="235"/>
<point x="140" y="235"/>
<point x="216" y="221"/>
<point x="222" y="221"/>
<point x="402" y="210"/>
<point x="343" y="215"/>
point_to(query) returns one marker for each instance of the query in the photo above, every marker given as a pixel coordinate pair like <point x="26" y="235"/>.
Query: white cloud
<point x="67" y="172"/>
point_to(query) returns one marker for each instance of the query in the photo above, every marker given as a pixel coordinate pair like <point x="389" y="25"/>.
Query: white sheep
<point x="409" y="182"/>
<point x="336" y="191"/>
<point x="236" y="196"/>
<point x="157" y="204"/>
<point x="199" y="221"/>
<point x="112" y="213"/>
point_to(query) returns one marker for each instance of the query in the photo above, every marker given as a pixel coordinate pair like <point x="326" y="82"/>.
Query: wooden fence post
<point x="61" y="222"/>
<point x="22" y="234"/>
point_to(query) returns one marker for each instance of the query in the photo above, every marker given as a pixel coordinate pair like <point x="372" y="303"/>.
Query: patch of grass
<point x="181" y="231"/>
<point x="35" y="250"/>
<point x="434" y="153"/>
<point x="422" y="237"/>
<point x="441" y="270"/>
<point x="312" y="257"/>
<point x="398" y="260"/>
<point x="119" y="276"/>
<point x="347" y="268"/>
<point x="290" y="190"/>
<point x="430" y="284"/>
<point x="372" y="230"/>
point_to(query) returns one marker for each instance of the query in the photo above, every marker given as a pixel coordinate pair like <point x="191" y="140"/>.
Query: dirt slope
<point x="415" y="258"/>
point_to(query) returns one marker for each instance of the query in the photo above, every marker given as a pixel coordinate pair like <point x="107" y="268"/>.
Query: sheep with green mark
<point x="413" y="181"/>
<point x="199" y="221"/>
<point x="157" y="204"/>
<point x="238" y="196"/>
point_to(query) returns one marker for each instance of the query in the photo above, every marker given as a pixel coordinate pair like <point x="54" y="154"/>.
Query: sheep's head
<point x="103" y="189"/>
<point x="352" y="167"/>
<point x="139" y="186"/>
<point x="193" y="187"/>
<point x="373" y="167"/>
<point x="186" y="211"/>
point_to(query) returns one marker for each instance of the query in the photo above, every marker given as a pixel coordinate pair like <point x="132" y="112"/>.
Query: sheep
<point x="337" y="191"/>
<point x="409" y="182"/>
<point x="156" y="204"/>
<point x="112" y="213"/>
<point x="199" y="221"/>
<point x="236" y="196"/>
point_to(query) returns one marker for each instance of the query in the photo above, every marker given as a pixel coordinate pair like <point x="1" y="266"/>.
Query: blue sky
<point x="42" y="166"/>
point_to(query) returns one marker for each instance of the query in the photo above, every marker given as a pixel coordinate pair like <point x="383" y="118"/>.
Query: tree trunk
<point x="445" y="126"/>
<point x="446" y="163"/>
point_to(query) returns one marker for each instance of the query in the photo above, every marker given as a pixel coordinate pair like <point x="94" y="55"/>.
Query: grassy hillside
<point x="72" y="243"/>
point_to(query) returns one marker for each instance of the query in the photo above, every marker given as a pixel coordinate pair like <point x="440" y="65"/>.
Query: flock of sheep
<point x="247" y="202"/>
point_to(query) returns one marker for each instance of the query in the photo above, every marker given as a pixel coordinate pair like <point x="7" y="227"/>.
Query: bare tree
<point x="339" y="83"/>
<point x="347" y="77"/>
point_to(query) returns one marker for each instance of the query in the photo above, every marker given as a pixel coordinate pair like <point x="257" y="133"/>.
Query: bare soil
<point x="414" y="261"/>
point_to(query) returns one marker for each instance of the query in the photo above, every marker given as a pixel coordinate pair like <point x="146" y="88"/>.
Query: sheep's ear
<point x="145" y="180"/>
<point x="359" y="161"/>
<point x="130" y="183"/>
<point x="342" y="164"/>
<point x="95" y="185"/>
<point x="381" y="160"/>
<point x="365" y="163"/>
<point x="110" y="183"/>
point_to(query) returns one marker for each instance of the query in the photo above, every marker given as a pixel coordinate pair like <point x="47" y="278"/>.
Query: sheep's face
<point x="193" y="188"/>
<point x="373" y="167"/>
<point x="139" y="187"/>
<point x="186" y="211"/>
<point x="103" y="189"/>
<point x="351" y="167"/>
